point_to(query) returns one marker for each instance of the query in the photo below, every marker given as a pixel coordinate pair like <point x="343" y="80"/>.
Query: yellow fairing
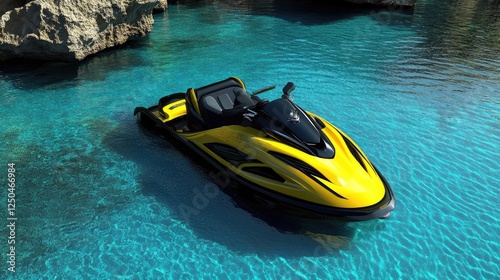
<point x="240" y="81"/>
<point x="192" y="96"/>
<point x="174" y="110"/>
<point x="345" y="182"/>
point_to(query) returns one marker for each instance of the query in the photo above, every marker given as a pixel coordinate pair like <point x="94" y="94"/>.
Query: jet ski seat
<point x="222" y="103"/>
<point x="218" y="104"/>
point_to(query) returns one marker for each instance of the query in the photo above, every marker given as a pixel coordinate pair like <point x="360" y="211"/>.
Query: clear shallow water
<point x="99" y="197"/>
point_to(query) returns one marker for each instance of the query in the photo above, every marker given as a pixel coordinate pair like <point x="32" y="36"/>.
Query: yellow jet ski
<point x="275" y="148"/>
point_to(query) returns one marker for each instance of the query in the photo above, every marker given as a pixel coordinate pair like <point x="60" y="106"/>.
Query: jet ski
<point x="275" y="148"/>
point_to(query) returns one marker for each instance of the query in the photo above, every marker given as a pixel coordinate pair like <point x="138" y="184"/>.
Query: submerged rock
<point x="70" y="30"/>
<point x="385" y="2"/>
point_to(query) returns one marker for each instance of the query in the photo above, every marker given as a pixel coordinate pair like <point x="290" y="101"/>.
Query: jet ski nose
<point x="386" y="216"/>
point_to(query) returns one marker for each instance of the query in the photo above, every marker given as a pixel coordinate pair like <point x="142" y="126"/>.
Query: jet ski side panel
<point x="355" y="188"/>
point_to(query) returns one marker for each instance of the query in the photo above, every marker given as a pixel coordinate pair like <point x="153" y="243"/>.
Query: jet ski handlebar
<point x="263" y="90"/>
<point x="287" y="89"/>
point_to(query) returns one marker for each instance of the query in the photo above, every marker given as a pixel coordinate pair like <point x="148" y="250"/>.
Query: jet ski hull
<point x="249" y="157"/>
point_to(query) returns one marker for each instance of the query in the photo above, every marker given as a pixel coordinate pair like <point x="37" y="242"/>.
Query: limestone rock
<point x="160" y="7"/>
<point x="385" y="2"/>
<point x="69" y="30"/>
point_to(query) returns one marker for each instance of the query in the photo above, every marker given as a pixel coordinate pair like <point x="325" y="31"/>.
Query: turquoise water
<point x="98" y="197"/>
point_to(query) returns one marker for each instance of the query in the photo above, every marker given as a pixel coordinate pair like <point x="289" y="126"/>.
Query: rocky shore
<point x="70" y="30"/>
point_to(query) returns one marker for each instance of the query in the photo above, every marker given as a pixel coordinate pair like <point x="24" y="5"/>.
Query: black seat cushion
<point x="218" y="104"/>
